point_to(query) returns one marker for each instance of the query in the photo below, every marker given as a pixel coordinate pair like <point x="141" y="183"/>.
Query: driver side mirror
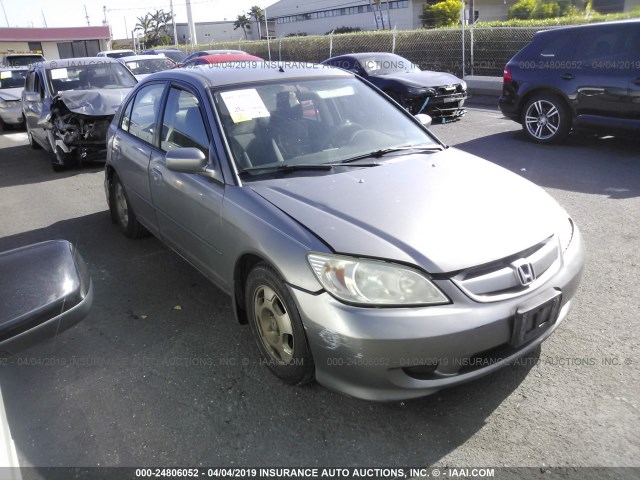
<point x="191" y="160"/>
<point x="424" y="119"/>
<point x="46" y="288"/>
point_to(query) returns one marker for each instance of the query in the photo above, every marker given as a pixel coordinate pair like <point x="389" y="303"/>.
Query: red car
<point x="221" y="58"/>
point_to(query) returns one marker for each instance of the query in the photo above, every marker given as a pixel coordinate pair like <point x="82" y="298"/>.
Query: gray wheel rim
<point x="121" y="205"/>
<point x="273" y="324"/>
<point x="542" y="119"/>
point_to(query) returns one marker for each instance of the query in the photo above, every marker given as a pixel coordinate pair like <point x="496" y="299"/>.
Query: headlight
<point x="418" y="90"/>
<point x="565" y="233"/>
<point x="464" y="85"/>
<point x="372" y="282"/>
<point x="3" y="104"/>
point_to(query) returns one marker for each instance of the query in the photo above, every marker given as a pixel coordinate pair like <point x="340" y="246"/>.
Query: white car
<point x="11" y="86"/>
<point x="116" y="53"/>
<point x="144" y="65"/>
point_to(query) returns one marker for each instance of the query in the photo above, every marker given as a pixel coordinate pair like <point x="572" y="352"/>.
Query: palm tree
<point x="242" y="22"/>
<point x="258" y="15"/>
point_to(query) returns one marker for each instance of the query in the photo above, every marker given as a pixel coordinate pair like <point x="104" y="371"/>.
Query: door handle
<point x="567" y="76"/>
<point x="156" y="176"/>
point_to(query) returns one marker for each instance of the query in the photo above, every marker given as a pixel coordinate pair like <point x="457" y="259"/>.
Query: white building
<point x="322" y="16"/>
<point x="222" y="31"/>
<point x="55" y="43"/>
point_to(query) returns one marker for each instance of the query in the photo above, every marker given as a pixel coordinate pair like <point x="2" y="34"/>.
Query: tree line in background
<point x="255" y="14"/>
<point x="155" y="28"/>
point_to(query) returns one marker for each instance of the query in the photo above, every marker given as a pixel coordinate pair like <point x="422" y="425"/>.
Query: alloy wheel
<point x="542" y="119"/>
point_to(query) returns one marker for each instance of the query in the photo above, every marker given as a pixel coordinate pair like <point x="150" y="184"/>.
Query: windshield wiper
<point x="286" y="168"/>
<point x="385" y="151"/>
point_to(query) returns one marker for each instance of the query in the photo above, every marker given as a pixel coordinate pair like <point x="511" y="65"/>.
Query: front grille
<point x="500" y="280"/>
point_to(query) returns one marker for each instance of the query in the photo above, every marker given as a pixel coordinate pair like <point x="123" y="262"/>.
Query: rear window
<point x="554" y="46"/>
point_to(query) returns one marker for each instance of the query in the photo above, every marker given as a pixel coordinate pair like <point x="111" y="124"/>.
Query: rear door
<point x="132" y="146"/>
<point x="600" y="84"/>
<point x="633" y="63"/>
<point x="33" y="109"/>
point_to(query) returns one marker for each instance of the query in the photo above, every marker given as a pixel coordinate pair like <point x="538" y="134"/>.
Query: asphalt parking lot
<point x="160" y="374"/>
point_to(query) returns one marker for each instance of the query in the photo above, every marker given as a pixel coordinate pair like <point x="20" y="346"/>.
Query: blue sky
<point x="71" y="13"/>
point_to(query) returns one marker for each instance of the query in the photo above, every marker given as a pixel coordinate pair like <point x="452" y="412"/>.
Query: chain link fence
<point x="486" y="50"/>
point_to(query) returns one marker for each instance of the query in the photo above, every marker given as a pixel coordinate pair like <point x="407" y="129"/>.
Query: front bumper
<point x="448" y="107"/>
<point x="373" y="353"/>
<point x="12" y="115"/>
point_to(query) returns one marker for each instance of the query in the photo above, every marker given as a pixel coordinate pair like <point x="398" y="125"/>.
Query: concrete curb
<point x="483" y="90"/>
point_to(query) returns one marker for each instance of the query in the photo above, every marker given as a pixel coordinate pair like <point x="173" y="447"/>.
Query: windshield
<point x="91" y="76"/>
<point x="318" y="121"/>
<point x="22" y="60"/>
<point x="12" y="79"/>
<point x="385" y="64"/>
<point x="152" y="65"/>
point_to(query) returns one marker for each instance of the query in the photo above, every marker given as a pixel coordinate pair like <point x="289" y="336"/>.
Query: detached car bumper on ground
<point x="360" y="250"/>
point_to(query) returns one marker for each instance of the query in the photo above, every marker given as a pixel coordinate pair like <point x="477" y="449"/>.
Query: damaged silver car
<point x="68" y="105"/>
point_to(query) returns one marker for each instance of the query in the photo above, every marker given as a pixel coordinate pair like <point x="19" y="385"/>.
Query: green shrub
<point x="522" y="10"/>
<point x="546" y="9"/>
<point x="445" y="13"/>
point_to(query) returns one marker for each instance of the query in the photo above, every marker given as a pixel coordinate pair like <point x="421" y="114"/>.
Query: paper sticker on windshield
<point x="337" y="92"/>
<point x="4" y="75"/>
<point x="244" y="105"/>
<point x="58" y="73"/>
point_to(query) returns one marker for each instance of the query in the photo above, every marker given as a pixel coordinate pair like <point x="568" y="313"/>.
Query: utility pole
<point x="44" y="20"/>
<point x="86" y="15"/>
<point x="173" y="21"/>
<point x="6" y="19"/>
<point x="192" y="27"/>
<point x="104" y="13"/>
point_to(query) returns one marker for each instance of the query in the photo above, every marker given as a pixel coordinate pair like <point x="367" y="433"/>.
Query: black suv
<point x="576" y="77"/>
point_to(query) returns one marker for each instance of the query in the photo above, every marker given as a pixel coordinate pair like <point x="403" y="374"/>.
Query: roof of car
<point x="593" y="25"/>
<point x="133" y="58"/>
<point x="218" y="75"/>
<point x="217" y="58"/>
<point x="146" y="52"/>
<point x="74" y="62"/>
<point x="116" y="51"/>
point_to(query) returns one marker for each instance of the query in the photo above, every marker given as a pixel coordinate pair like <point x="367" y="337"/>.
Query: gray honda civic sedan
<point x="361" y="251"/>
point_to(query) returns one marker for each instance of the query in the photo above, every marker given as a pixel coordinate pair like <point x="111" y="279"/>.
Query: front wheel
<point x="546" y="119"/>
<point x="276" y="326"/>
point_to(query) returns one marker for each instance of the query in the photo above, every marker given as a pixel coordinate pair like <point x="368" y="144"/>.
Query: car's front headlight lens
<point x="3" y="104"/>
<point x="373" y="282"/>
<point x="464" y="85"/>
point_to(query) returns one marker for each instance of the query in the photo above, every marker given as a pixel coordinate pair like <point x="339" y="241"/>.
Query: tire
<point x="546" y="118"/>
<point x="63" y="160"/>
<point x="276" y="327"/>
<point x="33" y="143"/>
<point x="121" y="211"/>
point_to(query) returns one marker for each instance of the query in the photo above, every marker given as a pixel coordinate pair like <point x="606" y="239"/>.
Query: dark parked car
<point x="584" y="77"/>
<point x="68" y="105"/>
<point x="438" y="94"/>
<point x="174" y="54"/>
<point x="348" y="237"/>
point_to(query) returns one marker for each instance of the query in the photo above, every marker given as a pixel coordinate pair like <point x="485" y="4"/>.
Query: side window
<point x="141" y="120"/>
<point x="38" y="87"/>
<point x="125" y="120"/>
<point x="29" y="84"/>
<point x="605" y="44"/>
<point x="557" y="46"/>
<point x="183" y="124"/>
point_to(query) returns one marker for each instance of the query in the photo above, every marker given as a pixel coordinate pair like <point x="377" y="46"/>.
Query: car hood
<point x="94" y="102"/>
<point x="445" y="211"/>
<point x="425" y="78"/>
<point x="11" y="94"/>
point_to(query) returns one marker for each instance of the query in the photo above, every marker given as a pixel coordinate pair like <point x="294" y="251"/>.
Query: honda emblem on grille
<point x="524" y="271"/>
